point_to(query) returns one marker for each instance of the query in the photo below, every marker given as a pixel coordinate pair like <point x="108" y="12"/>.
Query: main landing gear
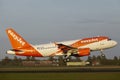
<point x="66" y="60"/>
<point x="102" y="54"/>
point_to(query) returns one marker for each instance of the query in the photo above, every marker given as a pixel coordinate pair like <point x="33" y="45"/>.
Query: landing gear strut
<point x="66" y="58"/>
<point x="102" y="54"/>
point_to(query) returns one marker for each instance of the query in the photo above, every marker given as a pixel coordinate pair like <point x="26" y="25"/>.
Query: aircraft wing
<point x="64" y="48"/>
<point x="68" y="50"/>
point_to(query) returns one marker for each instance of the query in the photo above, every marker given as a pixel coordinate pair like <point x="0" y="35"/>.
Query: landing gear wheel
<point x="66" y="60"/>
<point x="102" y="55"/>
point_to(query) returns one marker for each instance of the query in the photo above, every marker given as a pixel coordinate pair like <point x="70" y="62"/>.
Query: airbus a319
<point x="77" y="48"/>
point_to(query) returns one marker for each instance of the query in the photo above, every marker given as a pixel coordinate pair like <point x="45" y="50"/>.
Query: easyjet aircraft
<point x="78" y="48"/>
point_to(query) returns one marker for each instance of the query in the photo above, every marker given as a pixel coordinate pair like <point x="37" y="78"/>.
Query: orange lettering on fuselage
<point x="89" y="40"/>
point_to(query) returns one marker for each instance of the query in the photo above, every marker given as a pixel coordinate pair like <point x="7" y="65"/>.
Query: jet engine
<point x="83" y="52"/>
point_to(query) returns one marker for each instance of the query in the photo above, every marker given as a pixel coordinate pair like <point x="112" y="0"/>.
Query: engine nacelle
<point x="84" y="52"/>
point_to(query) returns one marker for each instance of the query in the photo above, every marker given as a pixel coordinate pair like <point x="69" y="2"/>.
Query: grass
<point x="61" y="76"/>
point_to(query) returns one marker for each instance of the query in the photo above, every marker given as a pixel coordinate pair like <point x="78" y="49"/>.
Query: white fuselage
<point x="51" y="48"/>
<point x="82" y="46"/>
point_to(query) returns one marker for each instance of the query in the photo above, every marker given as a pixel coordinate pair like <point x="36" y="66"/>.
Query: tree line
<point x="94" y="60"/>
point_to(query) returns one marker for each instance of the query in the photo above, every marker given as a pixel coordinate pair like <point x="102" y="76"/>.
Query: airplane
<point x="77" y="48"/>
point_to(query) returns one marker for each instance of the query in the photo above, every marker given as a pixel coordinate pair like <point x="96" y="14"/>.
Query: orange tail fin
<point x="16" y="40"/>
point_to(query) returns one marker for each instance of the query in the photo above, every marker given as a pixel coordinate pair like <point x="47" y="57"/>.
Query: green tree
<point x="78" y="59"/>
<point x="51" y="58"/>
<point x="33" y="59"/>
<point x="94" y="58"/>
<point x="15" y="58"/>
<point x="89" y="60"/>
<point x="116" y="60"/>
<point x="6" y="61"/>
<point x="61" y="61"/>
<point x="27" y="58"/>
<point x="98" y="58"/>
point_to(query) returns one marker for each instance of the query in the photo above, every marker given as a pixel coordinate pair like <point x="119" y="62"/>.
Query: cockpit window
<point x="109" y="39"/>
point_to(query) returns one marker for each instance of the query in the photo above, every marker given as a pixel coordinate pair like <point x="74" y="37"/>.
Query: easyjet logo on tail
<point x="15" y="37"/>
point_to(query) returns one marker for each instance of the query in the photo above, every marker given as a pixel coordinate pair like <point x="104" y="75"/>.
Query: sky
<point x="45" y="21"/>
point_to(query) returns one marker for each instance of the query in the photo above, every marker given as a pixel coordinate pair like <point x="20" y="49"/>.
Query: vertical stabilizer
<point x="15" y="39"/>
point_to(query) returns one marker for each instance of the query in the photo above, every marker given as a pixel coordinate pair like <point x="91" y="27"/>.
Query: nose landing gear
<point x="102" y="54"/>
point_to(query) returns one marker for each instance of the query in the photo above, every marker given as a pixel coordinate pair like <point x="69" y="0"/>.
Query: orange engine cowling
<point x="84" y="52"/>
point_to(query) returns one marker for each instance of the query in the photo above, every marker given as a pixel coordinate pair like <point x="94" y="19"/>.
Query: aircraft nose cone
<point x="115" y="43"/>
